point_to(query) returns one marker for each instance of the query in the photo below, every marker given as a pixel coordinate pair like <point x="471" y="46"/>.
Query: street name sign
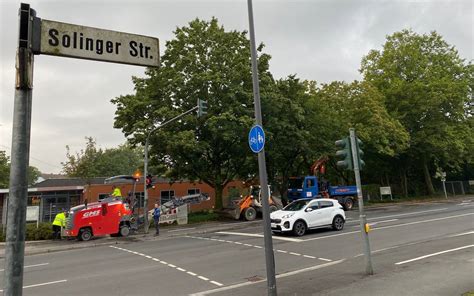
<point x="256" y="139"/>
<point x="76" y="41"/>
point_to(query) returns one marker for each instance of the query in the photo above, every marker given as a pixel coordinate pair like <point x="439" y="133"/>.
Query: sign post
<point x="38" y="36"/>
<point x="262" y="168"/>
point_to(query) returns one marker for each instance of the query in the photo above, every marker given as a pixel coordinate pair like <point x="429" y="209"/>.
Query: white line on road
<point x="289" y="239"/>
<point x="182" y="229"/>
<point x="324" y="259"/>
<point x="378" y="222"/>
<point x="34" y="265"/>
<point x="461" y="234"/>
<point x="390" y="226"/>
<point x="398" y="215"/>
<point x="308" y="256"/>
<point x="42" y="284"/>
<point x="296" y="254"/>
<point x="256" y="282"/>
<point x="434" y="254"/>
<point x="170" y="265"/>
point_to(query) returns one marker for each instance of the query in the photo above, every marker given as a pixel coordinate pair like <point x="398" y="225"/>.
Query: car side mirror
<point x="309" y="209"/>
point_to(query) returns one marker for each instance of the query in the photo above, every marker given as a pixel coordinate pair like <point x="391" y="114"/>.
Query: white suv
<point x="306" y="213"/>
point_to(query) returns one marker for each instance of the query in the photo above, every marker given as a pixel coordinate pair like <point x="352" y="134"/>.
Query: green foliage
<point x="428" y="88"/>
<point x="4" y="170"/>
<point x="93" y="162"/>
<point x="33" y="172"/>
<point x="43" y="232"/>
<point x="204" y="216"/>
<point x="204" y="62"/>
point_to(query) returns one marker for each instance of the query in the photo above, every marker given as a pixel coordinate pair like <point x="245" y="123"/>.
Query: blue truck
<point x="310" y="187"/>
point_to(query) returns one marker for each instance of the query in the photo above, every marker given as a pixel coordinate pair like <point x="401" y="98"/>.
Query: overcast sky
<point x="317" y="40"/>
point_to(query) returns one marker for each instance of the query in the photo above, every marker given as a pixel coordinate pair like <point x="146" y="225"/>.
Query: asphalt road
<point x="422" y="249"/>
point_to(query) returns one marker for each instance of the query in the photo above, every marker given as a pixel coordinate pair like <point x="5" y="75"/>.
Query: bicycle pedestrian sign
<point x="256" y="138"/>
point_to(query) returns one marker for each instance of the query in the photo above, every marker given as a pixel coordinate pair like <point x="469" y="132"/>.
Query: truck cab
<point x="310" y="187"/>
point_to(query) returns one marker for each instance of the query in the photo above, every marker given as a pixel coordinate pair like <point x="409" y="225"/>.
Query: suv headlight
<point x="288" y="216"/>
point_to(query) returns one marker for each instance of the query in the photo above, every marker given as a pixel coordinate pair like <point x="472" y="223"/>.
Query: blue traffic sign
<point x="256" y="139"/>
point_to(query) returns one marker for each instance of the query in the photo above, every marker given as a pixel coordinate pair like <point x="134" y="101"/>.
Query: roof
<point x="66" y="182"/>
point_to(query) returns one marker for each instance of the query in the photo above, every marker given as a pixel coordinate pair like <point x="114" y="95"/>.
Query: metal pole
<point x="269" y="256"/>
<point x="444" y="189"/>
<point x="16" y="218"/>
<point x="145" y="169"/>
<point x="362" y="217"/>
<point x="145" y="189"/>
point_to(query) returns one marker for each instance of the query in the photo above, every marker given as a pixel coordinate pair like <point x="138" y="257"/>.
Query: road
<point x="419" y="249"/>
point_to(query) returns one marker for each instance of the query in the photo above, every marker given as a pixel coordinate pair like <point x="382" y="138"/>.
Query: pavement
<point x="48" y="246"/>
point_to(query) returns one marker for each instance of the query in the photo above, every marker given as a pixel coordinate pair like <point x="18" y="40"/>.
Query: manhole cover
<point x="254" y="278"/>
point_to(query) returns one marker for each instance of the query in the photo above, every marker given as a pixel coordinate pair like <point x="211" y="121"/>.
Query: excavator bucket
<point x="233" y="213"/>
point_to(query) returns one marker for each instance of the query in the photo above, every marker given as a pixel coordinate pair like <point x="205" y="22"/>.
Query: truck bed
<point x="342" y="190"/>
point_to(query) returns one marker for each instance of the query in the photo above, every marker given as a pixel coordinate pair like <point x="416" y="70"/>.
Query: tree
<point x="33" y="172"/>
<point x="428" y="88"/>
<point x="4" y="170"/>
<point x="92" y="162"/>
<point x="203" y="61"/>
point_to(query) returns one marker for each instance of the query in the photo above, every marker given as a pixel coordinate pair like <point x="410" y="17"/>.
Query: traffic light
<point x="137" y="176"/>
<point x="202" y="107"/>
<point x="360" y="153"/>
<point x="149" y="182"/>
<point x="345" y="154"/>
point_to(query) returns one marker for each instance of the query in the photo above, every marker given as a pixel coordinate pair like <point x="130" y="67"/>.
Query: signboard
<point x="256" y="139"/>
<point x="68" y="40"/>
<point x="32" y="213"/>
<point x="385" y="191"/>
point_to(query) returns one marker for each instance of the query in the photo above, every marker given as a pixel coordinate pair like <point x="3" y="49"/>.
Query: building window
<point x="166" y="195"/>
<point x="194" y="191"/>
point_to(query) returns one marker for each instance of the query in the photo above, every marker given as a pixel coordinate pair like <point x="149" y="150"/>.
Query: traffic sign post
<point x="262" y="167"/>
<point x="38" y="36"/>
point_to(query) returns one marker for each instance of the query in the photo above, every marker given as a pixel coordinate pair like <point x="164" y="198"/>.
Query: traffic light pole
<point x="362" y="217"/>
<point x="269" y="256"/>
<point x="145" y="163"/>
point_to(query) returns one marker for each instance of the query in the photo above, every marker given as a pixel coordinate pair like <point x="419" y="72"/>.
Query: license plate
<point x="273" y="225"/>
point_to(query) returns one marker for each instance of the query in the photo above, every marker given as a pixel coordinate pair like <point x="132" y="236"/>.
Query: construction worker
<point x="116" y="192"/>
<point x="156" y="218"/>
<point x="58" y="223"/>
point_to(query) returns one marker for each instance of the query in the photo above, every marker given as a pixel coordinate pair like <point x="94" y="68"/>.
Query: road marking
<point x="42" y="284"/>
<point x="181" y="229"/>
<point x="375" y="223"/>
<point x="171" y="265"/>
<point x="324" y="259"/>
<point x="263" y="280"/>
<point x="289" y="239"/>
<point x="434" y="254"/>
<point x="259" y="247"/>
<point x="398" y="215"/>
<point x="461" y="234"/>
<point x="28" y="266"/>
<point x="217" y="283"/>
<point x="389" y="226"/>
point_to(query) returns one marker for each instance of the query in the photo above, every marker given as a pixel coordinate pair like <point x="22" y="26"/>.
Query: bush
<point x="44" y="231"/>
<point x="203" y="216"/>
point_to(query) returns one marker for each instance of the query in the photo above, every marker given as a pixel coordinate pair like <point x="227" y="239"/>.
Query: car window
<point x="314" y="206"/>
<point x="325" y="204"/>
<point x="296" y="205"/>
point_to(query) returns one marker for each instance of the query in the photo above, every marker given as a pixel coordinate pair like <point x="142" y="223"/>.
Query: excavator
<point x="248" y="206"/>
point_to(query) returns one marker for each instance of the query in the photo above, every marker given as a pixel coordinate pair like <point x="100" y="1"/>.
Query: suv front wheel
<point x="299" y="228"/>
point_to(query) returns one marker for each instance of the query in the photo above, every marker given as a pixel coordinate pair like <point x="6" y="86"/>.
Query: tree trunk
<point x="404" y="181"/>
<point x="218" y="196"/>
<point x="429" y="184"/>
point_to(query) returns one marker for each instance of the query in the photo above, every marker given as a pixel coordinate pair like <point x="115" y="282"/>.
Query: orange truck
<point x="109" y="216"/>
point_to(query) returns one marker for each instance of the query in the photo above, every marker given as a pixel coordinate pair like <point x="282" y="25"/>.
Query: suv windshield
<point x="295" y="183"/>
<point x="296" y="205"/>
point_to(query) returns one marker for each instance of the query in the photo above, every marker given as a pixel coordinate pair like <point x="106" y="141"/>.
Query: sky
<point x="322" y="40"/>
